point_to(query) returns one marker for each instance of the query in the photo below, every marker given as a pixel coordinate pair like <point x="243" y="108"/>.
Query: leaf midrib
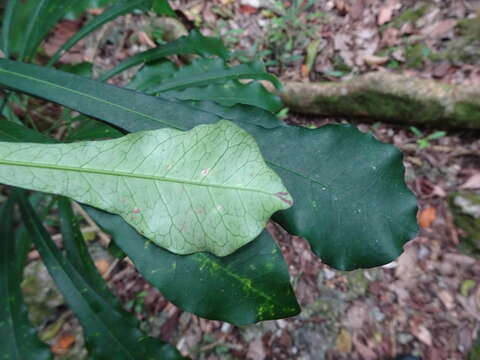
<point x="135" y="112"/>
<point x="177" y="83"/>
<point x="30" y="28"/>
<point x="129" y="175"/>
<point x="90" y="97"/>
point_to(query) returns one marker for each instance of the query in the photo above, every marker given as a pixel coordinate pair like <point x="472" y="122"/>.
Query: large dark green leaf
<point x="110" y="332"/>
<point x="248" y="286"/>
<point x="18" y="340"/>
<point x="208" y="79"/>
<point x="232" y="288"/>
<point x="209" y="188"/>
<point x="362" y="218"/>
<point x="351" y="201"/>
<point x="117" y="9"/>
<point x="193" y="43"/>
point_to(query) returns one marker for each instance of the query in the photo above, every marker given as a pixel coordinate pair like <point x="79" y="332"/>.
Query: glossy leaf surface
<point x="18" y="339"/>
<point x="248" y="286"/>
<point x="207" y="189"/>
<point x="110" y="332"/>
<point x="387" y="208"/>
<point x="205" y="72"/>
<point x="222" y="86"/>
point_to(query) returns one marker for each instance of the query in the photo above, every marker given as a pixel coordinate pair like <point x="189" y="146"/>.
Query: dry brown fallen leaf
<point x="375" y="60"/>
<point x="247" y="9"/>
<point x="386" y="12"/>
<point x="421" y="333"/>
<point x="447" y="299"/>
<point x="256" y="350"/>
<point x="102" y="266"/>
<point x="439" y="29"/>
<point x="145" y="39"/>
<point x="427" y="216"/>
<point x="472" y="183"/>
<point x="63" y="344"/>
<point x="344" y="341"/>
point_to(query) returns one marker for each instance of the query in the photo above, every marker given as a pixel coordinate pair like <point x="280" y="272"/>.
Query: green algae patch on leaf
<point x="207" y="189"/>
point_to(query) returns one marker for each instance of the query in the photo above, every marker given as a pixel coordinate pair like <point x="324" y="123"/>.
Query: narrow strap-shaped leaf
<point x="10" y="131"/>
<point x="231" y="93"/>
<point x="77" y="253"/>
<point x="207" y="189"/>
<point x="109" y="332"/>
<point x="118" y="9"/>
<point x="193" y="43"/>
<point x="109" y="102"/>
<point x="190" y="76"/>
<point x="259" y="265"/>
<point x="30" y="26"/>
<point x="162" y="7"/>
<point x="91" y="129"/>
<point x="18" y="340"/>
<point x="6" y="26"/>
<point x="365" y="221"/>
<point x="208" y="79"/>
<point x="31" y="22"/>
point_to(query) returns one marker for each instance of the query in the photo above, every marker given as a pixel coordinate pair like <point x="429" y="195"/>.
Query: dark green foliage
<point x="248" y="286"/>
<point x="118" y="8"/>
<point x="209" y="79"/>
<point x="110" y="332"/>
<point x="194" y="43"/>
<point x="353" y="233"/>
<point x="18" y="340"/>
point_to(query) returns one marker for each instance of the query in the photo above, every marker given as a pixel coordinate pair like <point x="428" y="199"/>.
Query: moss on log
<point x="387" y="97"/>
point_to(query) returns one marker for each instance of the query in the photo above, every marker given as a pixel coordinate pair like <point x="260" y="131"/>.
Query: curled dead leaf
<point x="422" y="334"/>
<point x="63" y="344"/>
<point x="386" y="12"/>
<point x="427" y="216"/>
<point x="344" y="341"/>
<point x="102" y="266"/>
<point x="472" y="183"/>
<point x="375" y="60"/>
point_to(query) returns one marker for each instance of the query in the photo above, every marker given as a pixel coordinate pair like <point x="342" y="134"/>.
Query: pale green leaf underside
<point x="207" y="189"/>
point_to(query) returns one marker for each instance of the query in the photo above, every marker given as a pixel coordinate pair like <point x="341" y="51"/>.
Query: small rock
<point x="404" y="338"/>
<point x="256" y="350"/>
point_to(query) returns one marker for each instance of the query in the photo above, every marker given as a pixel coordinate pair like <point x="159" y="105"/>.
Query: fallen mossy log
<point x="387" y="97"/>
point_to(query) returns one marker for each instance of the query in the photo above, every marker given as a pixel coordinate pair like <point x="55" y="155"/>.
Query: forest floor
<point x="427" y="303"/>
